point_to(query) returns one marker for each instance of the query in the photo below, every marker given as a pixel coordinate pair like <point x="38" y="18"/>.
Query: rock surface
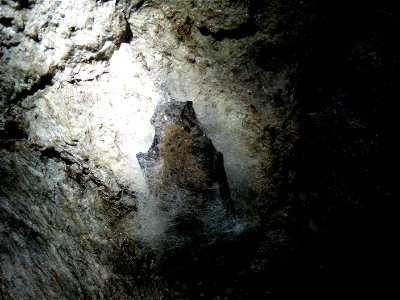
<point x="299" y="96"/>
<point x="186" y="177"/>
<point x="79" y="84"/>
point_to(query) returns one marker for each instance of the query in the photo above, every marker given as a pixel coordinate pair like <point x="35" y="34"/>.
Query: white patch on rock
<point x="105" y="114"/>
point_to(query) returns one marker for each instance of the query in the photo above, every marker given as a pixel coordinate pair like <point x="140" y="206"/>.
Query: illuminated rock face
<point x="297" y="95"/>
<point x="80" y="81"/>
<point x="185" y="174"/>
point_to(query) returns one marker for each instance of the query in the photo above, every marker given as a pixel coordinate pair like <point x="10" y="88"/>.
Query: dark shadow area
<point x="348" y="204"/>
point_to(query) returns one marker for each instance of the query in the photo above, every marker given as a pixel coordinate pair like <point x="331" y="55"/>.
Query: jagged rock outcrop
<point x="186" y="176"/>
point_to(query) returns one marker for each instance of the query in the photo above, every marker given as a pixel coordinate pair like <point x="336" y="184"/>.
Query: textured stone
<point x="297" y="95"/>
<point x="79" y="84"/>
<point x="186" y="175"/>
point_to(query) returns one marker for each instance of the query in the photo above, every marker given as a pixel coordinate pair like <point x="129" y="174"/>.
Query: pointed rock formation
<point x="184" y="171"/>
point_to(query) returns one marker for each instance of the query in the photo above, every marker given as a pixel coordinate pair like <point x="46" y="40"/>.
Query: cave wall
<point x="299" y="97"/>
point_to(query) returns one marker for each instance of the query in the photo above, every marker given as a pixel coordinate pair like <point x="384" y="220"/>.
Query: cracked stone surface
<point x="79" y="84"/>
<point x="298" y="96"/>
